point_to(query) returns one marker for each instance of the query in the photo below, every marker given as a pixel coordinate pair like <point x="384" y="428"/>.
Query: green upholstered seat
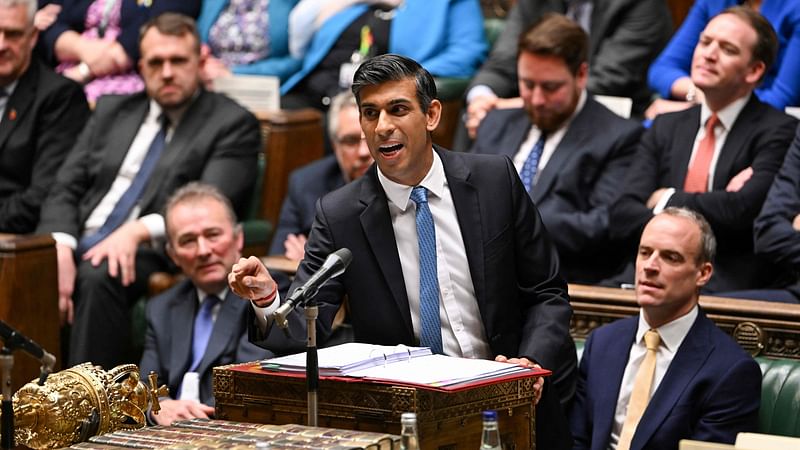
<point x="780" y="396"/>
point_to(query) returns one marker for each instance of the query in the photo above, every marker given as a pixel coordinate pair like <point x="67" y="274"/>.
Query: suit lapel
<point x="181" y="316"/>
<point x="690" y="357"/>
<point x="515" y="133"/>
<point x="377" y="227"/>
<point x="229" y="313"/>
<point x="574" y="138"/>
<point x="735" y="143"/>
<point x="19" y="102"/>
<point x="614" y="362"/>
<point x="468" y="212"/>
<point x="193" y="119"/>
<point x="682" y="146"/>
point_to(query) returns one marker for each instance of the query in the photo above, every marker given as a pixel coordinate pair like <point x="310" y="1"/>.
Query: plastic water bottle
<point x="490" y="440"/>
<point x="409" y="438"/>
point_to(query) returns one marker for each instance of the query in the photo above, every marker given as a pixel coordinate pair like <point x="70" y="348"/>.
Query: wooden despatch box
<point x="446" y="420"/>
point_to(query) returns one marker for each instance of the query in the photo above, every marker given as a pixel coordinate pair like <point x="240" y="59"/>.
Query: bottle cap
<point x="490" y="415"/>
<point x="408" y="417"/>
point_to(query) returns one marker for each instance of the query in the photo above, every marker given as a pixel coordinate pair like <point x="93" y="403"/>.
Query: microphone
<point x="15" y="339"/>
<point x="334" y="265"/>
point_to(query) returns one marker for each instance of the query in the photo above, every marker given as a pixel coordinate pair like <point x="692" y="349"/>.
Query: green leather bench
<point x="780" y="394"/>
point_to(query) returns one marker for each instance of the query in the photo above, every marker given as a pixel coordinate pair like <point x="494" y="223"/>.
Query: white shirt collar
<point x="399" y="194"/>
<point x="727" y="115"/>
<point x="201" y="295"/>
<point x="672" y="333"/>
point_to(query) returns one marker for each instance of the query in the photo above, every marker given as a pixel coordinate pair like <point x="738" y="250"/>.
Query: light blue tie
<point x="528" y="172"/>
<point x="131" y="196"/>
<point x="203" y="324"/>
<point x="428" y="276"/>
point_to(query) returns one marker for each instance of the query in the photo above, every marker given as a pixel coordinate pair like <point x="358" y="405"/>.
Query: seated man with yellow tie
<point x="199" y="323"/>
<point x="669" y="373"/>
<point x="717" y="158"/>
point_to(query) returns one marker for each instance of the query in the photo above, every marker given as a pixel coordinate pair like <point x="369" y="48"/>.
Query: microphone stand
<point x="7" y="419"/>
<point x="312" y="362"/>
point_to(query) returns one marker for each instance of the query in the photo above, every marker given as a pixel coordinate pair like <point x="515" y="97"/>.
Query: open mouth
<point x="390" y="150"/>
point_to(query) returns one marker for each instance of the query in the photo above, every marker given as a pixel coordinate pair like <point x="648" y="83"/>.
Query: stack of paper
<point x="401" y="365"/>
<point x="343" y="360"/>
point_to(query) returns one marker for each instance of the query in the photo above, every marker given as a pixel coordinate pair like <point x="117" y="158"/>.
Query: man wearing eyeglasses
<point x="351" y="159"/>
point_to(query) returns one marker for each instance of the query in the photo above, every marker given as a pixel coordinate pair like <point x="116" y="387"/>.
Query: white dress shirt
<point x="127" y="171"/>
<point x="462" y="328"/>
<point x="550" y="145"/>
<point x="727" y="116"/>
<point x="672" y="336"/>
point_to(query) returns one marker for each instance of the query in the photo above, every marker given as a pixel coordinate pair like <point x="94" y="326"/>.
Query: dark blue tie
<point x="528" y="172"/>
<point x="428" y="275"/>
<point x="129" y="199"/>
<point x="203" y="324"/>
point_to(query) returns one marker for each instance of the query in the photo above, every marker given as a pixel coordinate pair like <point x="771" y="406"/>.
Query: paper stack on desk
<point x="414" y="366"/>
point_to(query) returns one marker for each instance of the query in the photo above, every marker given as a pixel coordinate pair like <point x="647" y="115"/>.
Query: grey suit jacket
<point x="577" y="186"/>
<point x="625" y="36"/>
<point x="168" y="342"/>
<point x="216" y="141"/>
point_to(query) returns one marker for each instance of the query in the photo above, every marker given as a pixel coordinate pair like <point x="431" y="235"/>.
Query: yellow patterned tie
<point x="640" y="395"/>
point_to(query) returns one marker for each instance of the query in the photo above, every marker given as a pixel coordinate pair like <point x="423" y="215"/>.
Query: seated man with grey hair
<point x="668" y="373"/>
<point x="199" y="323"/>
<point x="350" y="160"/>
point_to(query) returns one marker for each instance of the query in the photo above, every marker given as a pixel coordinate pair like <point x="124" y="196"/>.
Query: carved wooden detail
<point x="761" y="328"/>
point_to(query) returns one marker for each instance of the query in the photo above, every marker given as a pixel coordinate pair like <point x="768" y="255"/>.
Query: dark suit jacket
<point x="43" y="117"/>
<point x="306" y="185"/>
<point x="758" y="139"/>
<point x="578" y="184"/>
<point x="711" y="391"/>
<point x="775" y="237"/>
<point x="168" y="342"/>
<point x="514" y="266"/>
<point x="216" y="141"/>
<point x="626" y="35"/>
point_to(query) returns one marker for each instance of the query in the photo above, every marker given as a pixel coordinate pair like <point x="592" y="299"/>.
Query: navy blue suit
<point x="711" y="391"/>
<point x="578" y="184"/>
<point x="758" y="139"/>
<point x="306" y="185"/>
<point x="168" y="342"/>
<point x="775" y="237"/>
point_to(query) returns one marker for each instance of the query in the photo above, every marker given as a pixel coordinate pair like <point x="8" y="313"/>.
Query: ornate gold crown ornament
<point x="81" y="402"/>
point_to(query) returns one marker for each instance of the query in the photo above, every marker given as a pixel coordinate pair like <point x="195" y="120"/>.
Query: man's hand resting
<point x="172" y="410"/>
<point x="525" y="362"/>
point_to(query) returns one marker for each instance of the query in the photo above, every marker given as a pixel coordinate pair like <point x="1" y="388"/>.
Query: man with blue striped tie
<point x="448" y="249"/>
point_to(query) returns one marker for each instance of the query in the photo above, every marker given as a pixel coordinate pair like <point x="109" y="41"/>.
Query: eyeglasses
<point x="350" y="141"/>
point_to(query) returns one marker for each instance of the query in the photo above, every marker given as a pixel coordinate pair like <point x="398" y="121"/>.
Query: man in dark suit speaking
<point x="105" y="208"/>
<point x="448" y="249"/>
<point x="669" y="373"/>
<point x="570" y="150"/>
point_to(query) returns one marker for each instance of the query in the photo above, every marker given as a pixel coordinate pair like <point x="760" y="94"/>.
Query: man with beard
<point x="718" y="158"/>
<point x="105" y="208"/>
<point x="570" y="150"/>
